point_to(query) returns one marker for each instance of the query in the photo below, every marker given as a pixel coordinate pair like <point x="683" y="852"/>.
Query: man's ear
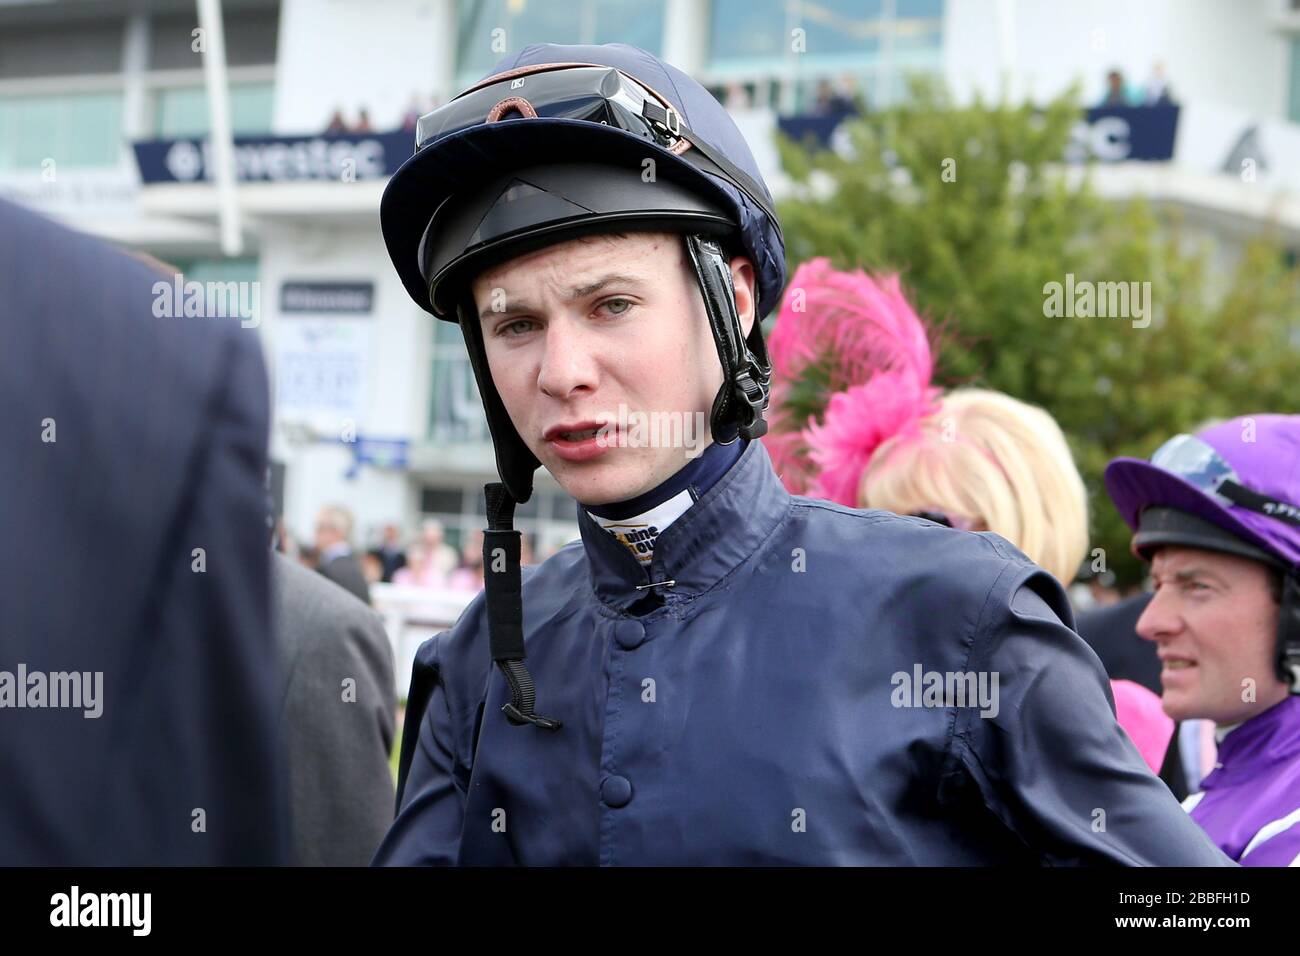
<point x="742" y="280"/>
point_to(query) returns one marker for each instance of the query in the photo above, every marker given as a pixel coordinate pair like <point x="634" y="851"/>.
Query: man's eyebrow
<point x="582" y="291"/>
<point x="575" y="293"/>
<point x="1194" y="572"/>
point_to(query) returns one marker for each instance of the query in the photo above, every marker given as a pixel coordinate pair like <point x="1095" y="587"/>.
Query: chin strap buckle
<point x="754" y="394"/>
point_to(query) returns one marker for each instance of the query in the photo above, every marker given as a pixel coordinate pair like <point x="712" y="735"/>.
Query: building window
<point x="758" y="30"/>
<point x="456" y="411"/>
<point x="867" y="44"/>
<point x="490" y="30"/>
<point x="183" y="111"/>
<point x="74" y="129"/>
<point x="69" y="48"/>
<point x="250" y="35"/>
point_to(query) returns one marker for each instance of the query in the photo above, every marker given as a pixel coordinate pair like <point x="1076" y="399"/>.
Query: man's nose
<point x="1159" y="619"/>
<point x="568" y="360"/>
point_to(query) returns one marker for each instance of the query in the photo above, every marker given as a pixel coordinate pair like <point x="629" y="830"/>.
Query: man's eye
<point x="514" y="328"/>
<point x="624" y="306"/>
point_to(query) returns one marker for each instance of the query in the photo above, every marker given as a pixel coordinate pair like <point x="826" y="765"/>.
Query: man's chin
<point x="1178" y="706"/>
<point x="596" y="483"/>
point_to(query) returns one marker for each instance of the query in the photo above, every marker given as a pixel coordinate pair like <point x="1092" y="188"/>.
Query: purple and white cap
<point x="1241" y="477"/>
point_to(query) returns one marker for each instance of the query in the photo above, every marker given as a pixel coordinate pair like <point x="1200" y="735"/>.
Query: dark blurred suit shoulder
<point x="159" y="450"/>
<point x="345" y="571"/>
<point x="1112" y="633"/>
<point x="340" y="785"/>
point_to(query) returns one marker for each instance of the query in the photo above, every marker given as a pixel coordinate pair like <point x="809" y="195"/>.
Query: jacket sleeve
<point x="1049" y="759"/>
<point x="431" y="797"/>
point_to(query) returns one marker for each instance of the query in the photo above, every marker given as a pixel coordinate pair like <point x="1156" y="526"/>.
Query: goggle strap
<point x="1251" y="500"/>
<point x="742" y="179"/>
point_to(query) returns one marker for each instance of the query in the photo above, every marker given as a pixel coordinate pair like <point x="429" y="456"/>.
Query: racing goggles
<point x="591" y="93"/>
<point x="1200" y="465"/>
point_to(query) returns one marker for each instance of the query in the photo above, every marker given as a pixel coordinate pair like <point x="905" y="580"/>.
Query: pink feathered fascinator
<point x="851" y="368"/>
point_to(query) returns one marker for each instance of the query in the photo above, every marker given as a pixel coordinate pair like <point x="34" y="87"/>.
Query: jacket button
<point x="616" y="791"/>
<point x="629" y="634"/>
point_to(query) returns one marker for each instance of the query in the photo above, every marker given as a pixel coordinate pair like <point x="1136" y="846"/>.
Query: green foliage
<point x="978" y="245"/>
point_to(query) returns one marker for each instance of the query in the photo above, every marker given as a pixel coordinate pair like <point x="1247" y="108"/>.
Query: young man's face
<point x="576" y="330"/>
<point x="1214" y="621"/>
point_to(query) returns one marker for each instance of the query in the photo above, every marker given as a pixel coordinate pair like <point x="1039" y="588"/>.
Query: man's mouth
<point x="579" y="435"/>
<point x="573" y="431"/>
<point x="577" y="441"/>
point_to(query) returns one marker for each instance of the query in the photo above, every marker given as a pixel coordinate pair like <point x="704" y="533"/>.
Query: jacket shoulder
<point x="907" y="538"/>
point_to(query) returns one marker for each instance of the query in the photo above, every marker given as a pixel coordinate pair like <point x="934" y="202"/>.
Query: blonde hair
<point x="987" y="457"/>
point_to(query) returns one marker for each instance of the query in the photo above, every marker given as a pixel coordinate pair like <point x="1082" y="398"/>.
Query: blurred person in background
<point x="134" y="557"/>
<point x="1117" y="91"/>
<point x="971" y="459"/>
<point x="1093" y="590"/>
<point x="414" y="110"/>
<point x="737" y="98"/>
<point x="390" y="554"/>
<point x="1218" y="516"/>
<point x="1157" y="92"/>
<point x="440" y="558"/>
<point x="412" y="573"/>
<point x="337" y="561"/>
<point x="469" y="576"/>
<point x="372" y="569"/>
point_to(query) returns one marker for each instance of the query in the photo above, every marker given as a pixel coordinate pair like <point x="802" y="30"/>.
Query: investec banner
<point x="1116" y="134"/>
<point x="344" y="158"/>
<point x="1108" y="134"/>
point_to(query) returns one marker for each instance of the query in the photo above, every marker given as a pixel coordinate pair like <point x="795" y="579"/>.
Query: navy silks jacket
<point x="781" y="707"/>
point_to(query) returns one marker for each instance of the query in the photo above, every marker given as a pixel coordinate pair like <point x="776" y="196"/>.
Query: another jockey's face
<point x="608" y="332"/>
<point x="1214" y="621"/>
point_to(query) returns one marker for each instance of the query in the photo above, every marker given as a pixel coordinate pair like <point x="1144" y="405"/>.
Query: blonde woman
<point x="984" y="461"/>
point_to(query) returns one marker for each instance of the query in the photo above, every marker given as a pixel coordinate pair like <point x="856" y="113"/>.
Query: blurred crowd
<point x="340" y="124"/>
<point x="1155" y="92"/>
<point x="424" y="560"/>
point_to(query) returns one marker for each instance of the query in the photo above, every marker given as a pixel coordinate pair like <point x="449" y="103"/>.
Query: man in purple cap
<point x="1218" y="516"/>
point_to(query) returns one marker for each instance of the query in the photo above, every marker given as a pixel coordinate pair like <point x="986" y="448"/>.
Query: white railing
<point x="413" y="615"/>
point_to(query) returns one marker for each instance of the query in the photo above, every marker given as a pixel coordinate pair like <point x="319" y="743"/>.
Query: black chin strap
<point x="505" y="608"/>
<point x="746" y="370"/>
<point x="1288" y="631"/>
